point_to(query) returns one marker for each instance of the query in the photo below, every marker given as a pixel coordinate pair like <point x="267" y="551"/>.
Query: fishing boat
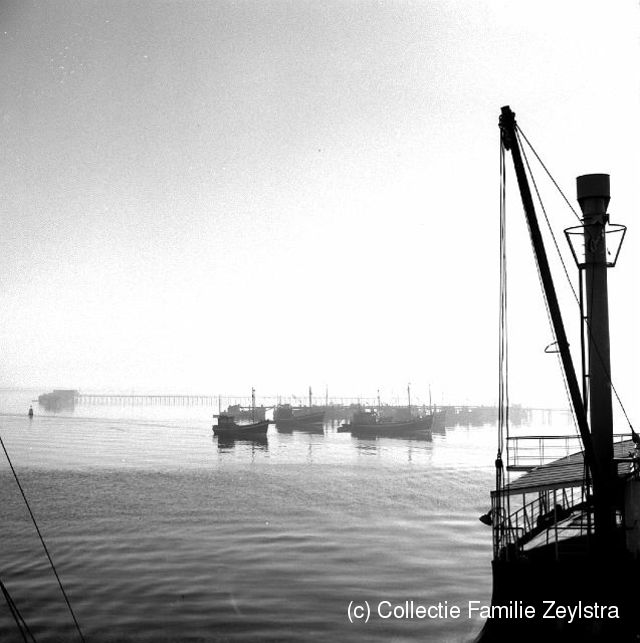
<point x="228" y="427"/>
<point x="371" y="422"/>
<point x="285" y="415"/>
<point x="368" y="422"/>
<point x="566" y="533"/>
<point x="239" y="412"/>
<point x="253" y="412"/>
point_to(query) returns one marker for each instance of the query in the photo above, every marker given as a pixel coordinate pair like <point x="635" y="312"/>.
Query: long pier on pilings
<point x="172" y="399"/>
<point x="210" y="400"/>
<point x="147" y="400"/>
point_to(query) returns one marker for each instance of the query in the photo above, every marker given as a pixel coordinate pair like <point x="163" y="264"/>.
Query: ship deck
<point x="567" y="471"/>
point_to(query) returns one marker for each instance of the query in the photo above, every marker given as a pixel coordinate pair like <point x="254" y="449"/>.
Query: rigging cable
<point x="503" y="353"/>
<point x="546" y="218"/>
<point x="44" y="546"/>
<point x="15" y="612"/>
<point x="501" y="523"/>
<point x="586" y="473"/>
<point x="575" y="296"/>
<point x="519" y="131"/>
<point x="564" y="267"/>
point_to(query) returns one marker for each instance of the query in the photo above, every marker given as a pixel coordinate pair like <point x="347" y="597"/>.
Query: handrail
<point x="529" y="451"/>
<point x="560" y="437"/>
<point x="515" y="530"/>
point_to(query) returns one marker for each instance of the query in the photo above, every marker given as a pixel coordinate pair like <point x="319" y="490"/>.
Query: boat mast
<point x="510" y="142"/>
<point x="253" y="404"/>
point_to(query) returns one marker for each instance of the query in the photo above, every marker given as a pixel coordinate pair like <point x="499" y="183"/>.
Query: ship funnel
<point x="594" y="255"/>
<point x="593" y="194"/>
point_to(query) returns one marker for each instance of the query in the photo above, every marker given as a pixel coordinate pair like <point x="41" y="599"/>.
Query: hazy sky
<point x="209" y="196"/>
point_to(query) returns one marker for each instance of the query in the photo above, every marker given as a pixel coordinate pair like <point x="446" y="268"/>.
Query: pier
<point x="269" y="401"/>
<point x="121" y="399"/>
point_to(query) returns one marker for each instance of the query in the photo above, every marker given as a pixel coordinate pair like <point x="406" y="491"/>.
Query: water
<point x="159" y="533"/>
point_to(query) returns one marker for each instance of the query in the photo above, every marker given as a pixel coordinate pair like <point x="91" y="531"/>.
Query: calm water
<point x="160" y="533"/>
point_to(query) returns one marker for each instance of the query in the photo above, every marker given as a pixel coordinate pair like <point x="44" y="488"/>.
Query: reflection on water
<point x="400" y="437"/>
<point x="226" y="443"/>
<point x="163" y="532"/>
<point x="317" y="428"/>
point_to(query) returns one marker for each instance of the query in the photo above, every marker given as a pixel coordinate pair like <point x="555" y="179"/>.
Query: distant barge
<point x="58" y="399"/>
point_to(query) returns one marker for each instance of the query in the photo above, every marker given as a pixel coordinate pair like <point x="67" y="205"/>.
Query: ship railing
<point x="527" y="452"/>
<point x="545" y="515"/>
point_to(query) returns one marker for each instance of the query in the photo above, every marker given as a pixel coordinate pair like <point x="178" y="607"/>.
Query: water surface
<point x="160" y="533"/>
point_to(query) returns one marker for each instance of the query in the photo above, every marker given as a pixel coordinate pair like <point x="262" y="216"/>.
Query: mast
<point x="253" y="404"/>
<point x="510" y="142"/>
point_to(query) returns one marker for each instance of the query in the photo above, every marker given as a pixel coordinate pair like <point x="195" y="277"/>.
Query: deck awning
<point x="565" y="472"/>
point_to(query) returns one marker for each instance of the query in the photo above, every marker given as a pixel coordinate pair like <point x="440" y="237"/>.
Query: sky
<point x="205" y="197"/>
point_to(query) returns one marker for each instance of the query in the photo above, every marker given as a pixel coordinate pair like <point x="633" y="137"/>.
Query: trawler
<point x="285" y="415"/>
<point x="368" y="422"/>
<point x="566" y="534"/>
<point x="228" y="427"/>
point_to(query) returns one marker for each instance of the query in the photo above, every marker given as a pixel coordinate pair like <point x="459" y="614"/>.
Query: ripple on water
<point x="160" y="536"/>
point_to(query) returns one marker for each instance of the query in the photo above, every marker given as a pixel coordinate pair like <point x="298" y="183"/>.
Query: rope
<point x="546" y="218"/>
<point x="44" y="546"/>
<point x="15" y="612"/>
<point x="503" y="373"/>
<point x="503" y="363"/>
<point x="586" y="473"/>
<point x="575" y="296"/>
<point x="519" y="130"/>
<point x="596" y="349"/>
<point x="557" y="247"/>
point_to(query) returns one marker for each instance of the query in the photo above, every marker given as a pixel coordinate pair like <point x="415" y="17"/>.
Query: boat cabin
<point x="365" y="417"/>
<point x="226" y="421"/>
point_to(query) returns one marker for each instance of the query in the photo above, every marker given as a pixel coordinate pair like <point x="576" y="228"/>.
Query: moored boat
<point x="253" y="413"/>
<point x="368" y="422"/>
<point x="227" y="426"/>
<point x="285" y="414"/>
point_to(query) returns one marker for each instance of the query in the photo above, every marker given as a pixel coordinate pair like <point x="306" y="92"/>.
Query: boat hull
<point x="309" y="418"/>
<point x="575" y="598"/>
<point x="302" y="427"/>
<point x="240" y="430"/>
<point x="382" y="428"/>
